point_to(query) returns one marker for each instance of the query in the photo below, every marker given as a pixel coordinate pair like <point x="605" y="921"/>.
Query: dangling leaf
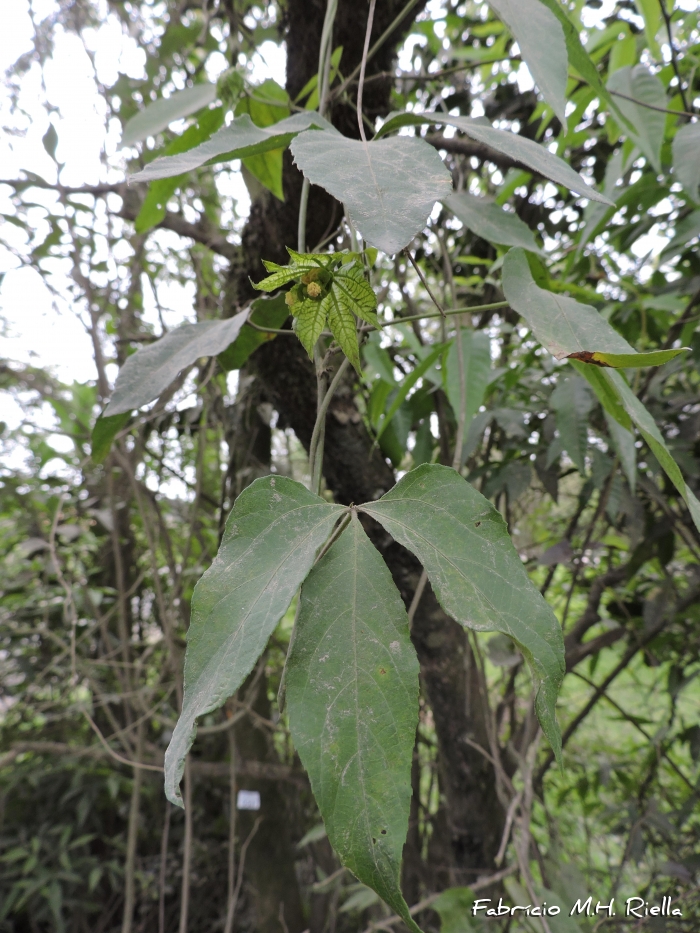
<point x="686" y="158"/>
<point x="242" y="138"/>
<point x="272" y="535"/>
<point x="156" y="116"/>
<point x="475" y="571"/>
<point x="640" y="84"/>
<point x="536" y="28"/>
<point x="516" y="147"/>
<point x="150" y="370"/>
<point x="388" y="187"/>
<point x="103" y="434"/>
<point x="491" y="222"/>
<point x="567" y="328"/>
<point x="352" y="696"/>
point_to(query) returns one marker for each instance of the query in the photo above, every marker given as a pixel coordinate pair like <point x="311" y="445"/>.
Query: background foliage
<point x="100" y="559"/>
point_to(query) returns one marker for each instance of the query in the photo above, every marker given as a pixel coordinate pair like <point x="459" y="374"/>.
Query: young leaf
<point x="150" y="370"/>
<point x="237" y="141"/>
<point x="272" y="535"/>
<point x="536" y="28"/>
<point x="156" y="116"/>
<point x="491" y="222"/>
<point x="344" y="328"/>
<point x="476" y="573"/>
<point x="103" y="434"/>
<point x="640" y="84"/>
<point x="352" y="696"/>
<point x="389" y="186"/>
<point x="686" y="163"/>
<point x="572" y="401"/>
<point x="568" y="329"/>
<point x="310" y="319"/>
<point x="340" y="293"/>
<point x="516" y="147"/>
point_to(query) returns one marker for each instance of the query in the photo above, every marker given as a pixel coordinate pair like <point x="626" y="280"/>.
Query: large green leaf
<point x="516" y="147"/>
<point x="686" y="158"/>
<point x="352" y="696"/>
<point x="156" y="116"/>
<point x="476" y="573"/>
<point x="388" y="186"/>
<point x="150" y="370"/>
<point x="640" y="84"/>
<point x="272" y="536"/>
<point x="242" y="138"/>
<point x="491" y="222"/>
<point x="567" y="328"/>
<point x="536" y="28"/>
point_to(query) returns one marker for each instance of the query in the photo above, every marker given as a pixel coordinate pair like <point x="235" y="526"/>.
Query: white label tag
<point x="248" y="800"/>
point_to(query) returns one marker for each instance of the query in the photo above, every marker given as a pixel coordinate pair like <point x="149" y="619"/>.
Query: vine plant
<point x="351" y="679"/>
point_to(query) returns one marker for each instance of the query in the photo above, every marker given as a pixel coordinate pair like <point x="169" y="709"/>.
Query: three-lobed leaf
<point x="150" y="370"/>
<point x="352" y="697"/>
<point x="388" y="186"/>
<point x="271" y="539"/>
<point x="475" y="571"/>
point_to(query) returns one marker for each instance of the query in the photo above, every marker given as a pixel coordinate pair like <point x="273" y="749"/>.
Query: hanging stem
<point x="317" y="438"/>
<point x="231" y="907"/>
<point x="132" y="837"/>
<point x="324" y="60"/>
<point x="187" y="853"/>
<point x="363" y="66"/>
<point x="163" y="868"/>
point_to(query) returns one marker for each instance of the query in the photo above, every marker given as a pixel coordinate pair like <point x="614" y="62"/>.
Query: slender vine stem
<point x="424" y="281"/>
<point x="363" y="66"/>
<point x="315" y="447"/>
